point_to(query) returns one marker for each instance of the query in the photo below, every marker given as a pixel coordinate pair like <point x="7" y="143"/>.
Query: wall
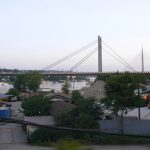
<point x="139" y="127"/>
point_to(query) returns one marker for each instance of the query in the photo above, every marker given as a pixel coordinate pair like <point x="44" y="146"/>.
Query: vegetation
<point x="65" y="87"/>
<point x="120" y="96"/>
<point x="6" y="78"/>
<point x="14" y="92"/>
<point x="85" y="116"/>
<point x="8" y="70"/>
<point x="55" y="78"/>
<point x="36" y="106"/>
<point x="76" y="97"/>
<point x="45" y="136"/>
<point x="21" y="83"/>
<point x="28" y="81"/>
<point x="70" y="145"/>
<point x="103" y="77"/>
<point x="135" y="77"/>
<point x="120" y="93"/>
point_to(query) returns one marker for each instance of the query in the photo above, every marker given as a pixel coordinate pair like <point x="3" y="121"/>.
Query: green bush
<point x="36" y="106"/>
<point x="14" y="92"/>
<point x="85" y="116"/>
<point x="46" y="135"/>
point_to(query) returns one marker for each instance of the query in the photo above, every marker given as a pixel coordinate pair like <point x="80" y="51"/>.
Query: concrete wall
<point x="6" y="136"/>
<point x="11" y="133"/>
<point x="139" y="127"/>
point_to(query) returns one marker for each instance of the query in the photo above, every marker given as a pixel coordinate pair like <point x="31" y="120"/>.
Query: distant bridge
<point x="48" y="71"/>
<point x="74" y="73"/>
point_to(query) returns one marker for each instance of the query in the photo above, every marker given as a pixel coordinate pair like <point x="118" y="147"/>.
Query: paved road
<point x="106" y="147"/>
<point x="13" y="133"/>
<point x="122" y="147"/>
<point x="22" y="147"/>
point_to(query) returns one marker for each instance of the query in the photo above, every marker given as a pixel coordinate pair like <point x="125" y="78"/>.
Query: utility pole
<point x="99" y="54"/>
<point x="139" y="110"/>
<point x="142" y="60"/>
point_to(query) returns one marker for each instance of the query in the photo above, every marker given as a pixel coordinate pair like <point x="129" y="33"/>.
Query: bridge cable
<point x="83" y="59"/>
<point x="123" y="63"/>
<point x="70" y="55"/>
<point x="119" y="56"/>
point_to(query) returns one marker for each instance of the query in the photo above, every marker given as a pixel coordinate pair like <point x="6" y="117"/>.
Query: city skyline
<point x="36" y="33"/>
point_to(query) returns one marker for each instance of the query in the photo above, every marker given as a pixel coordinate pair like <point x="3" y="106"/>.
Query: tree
<point x="85" y="115"/>
<point x="65" y="87"/>
<point x="14" y="92"/>
<point x="76" y="97"/>
<point x="36" y="106"/>
<point x="28" y="81"/>
<point x="103" y="77"/>
<point x="55" y="78"/>
<point x="120" y="97"/>
<point x="20" y="82"/>
<point x="34" y="80"/>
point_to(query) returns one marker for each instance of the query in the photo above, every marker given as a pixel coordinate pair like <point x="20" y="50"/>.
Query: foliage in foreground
<point x="36" y="106"/>
<point x="43" y="136"/>
<point x="85" y="115"/>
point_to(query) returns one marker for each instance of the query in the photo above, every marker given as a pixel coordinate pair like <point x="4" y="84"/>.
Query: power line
<point x="127" y="64"/>
<point x="84" y="59"/>
<point x="70" y="55"/>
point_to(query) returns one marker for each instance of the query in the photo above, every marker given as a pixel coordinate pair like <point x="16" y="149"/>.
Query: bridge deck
<point x="74" y="73"/>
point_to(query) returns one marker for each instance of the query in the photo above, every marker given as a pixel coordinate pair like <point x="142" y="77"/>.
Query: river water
<point x="4" y="87"/>
<point x="48" y="86"/>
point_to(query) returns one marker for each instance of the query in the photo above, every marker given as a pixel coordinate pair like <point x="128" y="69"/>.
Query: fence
<point x="130" y="126"/>
<point x="6" y="136"/>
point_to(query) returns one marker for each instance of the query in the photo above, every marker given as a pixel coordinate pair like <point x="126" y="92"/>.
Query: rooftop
<point x="3" y="96"/>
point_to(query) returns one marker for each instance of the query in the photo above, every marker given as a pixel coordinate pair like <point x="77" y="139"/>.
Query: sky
<point x="36" y="33"/>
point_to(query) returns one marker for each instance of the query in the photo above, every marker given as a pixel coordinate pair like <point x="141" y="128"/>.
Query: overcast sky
<point x="36" y="33"/>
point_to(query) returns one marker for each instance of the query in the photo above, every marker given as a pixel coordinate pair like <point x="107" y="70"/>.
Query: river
<point x="48" y="86"/>
<point x="4" y="87"/>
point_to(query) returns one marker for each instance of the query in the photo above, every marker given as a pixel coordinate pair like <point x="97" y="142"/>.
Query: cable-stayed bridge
<point x="66" y="73"/>
<point x="98" y="46"/>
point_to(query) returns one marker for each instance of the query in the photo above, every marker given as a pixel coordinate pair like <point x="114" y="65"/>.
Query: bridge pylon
<point x="99" y="54"/>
